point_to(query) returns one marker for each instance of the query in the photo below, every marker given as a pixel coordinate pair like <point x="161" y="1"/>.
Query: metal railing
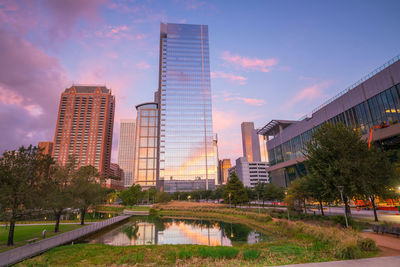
<point x="18" y="254"/>
<point x="354" y="85"/>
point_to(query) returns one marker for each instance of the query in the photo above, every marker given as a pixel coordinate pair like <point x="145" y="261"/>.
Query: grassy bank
<point x="26" y="232"/>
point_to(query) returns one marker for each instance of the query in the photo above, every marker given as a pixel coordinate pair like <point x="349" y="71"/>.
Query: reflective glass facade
<point x="384" y="106"/>
<point x="146" y="145"/>
<point x="186" y="132"/>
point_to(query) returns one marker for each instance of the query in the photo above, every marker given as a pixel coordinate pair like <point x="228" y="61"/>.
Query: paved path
<point x="370" y="262"/>
<point x="18" y="254"/>
<point x="26" y="224"/>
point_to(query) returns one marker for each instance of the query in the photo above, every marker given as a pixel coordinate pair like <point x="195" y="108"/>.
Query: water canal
<point x="160" y="231"/>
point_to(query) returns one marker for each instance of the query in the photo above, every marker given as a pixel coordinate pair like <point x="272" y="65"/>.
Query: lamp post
<point x="229" y="195"/>
<point x="341" y="187"/>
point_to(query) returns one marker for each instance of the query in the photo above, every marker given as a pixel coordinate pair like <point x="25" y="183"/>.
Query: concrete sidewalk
<point x="370" y="262"/>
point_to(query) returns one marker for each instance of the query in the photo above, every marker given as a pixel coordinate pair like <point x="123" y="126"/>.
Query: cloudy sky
<point x="269" y="59"/>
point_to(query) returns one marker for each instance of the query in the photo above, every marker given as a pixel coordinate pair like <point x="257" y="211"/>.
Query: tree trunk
<point x="322" y="208"/>
<point x="374" y="207"/>
<point x="263" y="203"/>
<point x="10" y="241"/>
<point x="57" y="227"/>
<point x="83" y="212"/>
<point x="346" y="207"/>
<point x="305" y="208"/>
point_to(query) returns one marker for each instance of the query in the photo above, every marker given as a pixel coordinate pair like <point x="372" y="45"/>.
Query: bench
<point x="385" y="229"/>
<point x="32" y="240"/>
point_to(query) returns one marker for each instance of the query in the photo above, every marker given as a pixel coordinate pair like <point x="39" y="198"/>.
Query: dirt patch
<point x="390" y="245"/>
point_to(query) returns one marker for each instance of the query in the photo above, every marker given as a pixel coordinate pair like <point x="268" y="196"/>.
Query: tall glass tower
<point x="187" y="159"/>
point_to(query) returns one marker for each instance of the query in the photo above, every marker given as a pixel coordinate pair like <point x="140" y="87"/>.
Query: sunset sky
<point x="269" y="59"/>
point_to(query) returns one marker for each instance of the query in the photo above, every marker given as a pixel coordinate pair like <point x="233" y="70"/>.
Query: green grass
<point x="105" y="208"/>
<point x="251" y="254"/>
<point x="26" y="232"/>
<point x="138" y="208"/>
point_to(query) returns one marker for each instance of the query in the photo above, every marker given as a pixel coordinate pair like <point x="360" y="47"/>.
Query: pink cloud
<point x="310" y="93"/>
<point x="248" y="101"/>
<point x="229" y="76"/>
<point x="143" y="65"/>
<point x="117" y="33"/>
<point x="247" y="63"/>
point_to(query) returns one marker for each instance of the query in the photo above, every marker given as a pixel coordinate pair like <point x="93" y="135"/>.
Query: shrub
<point x="251" y="254"/>
<point x="218" y="252"/>
<point x="171" y="256"/>
<point x="342" y="221"/>
<point x="367" y="244"/>
<point x="153" y="212"/>
<point x="348" y="252"/>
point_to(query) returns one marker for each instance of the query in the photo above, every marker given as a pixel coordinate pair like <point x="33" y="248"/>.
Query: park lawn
<point x="138" y="208"/>
<point x="26" y="232"/>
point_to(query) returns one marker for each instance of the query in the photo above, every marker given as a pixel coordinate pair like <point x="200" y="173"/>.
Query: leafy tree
<point x="150" y="194"/>
<point x="317" y="189"/>
<point x="86" y="189"/>
<point x="251" y="194"/>
<point x="273" y="192"/>
<point x="21" y="172"/>
<point x="218" y="193"/>
<point x="297" y="195"/>
<point x="336" y="154"/>
<point x="58" y="194"/>
<point x="163" y="197"/>
<point x="259" y="191"/>
<point x="132" y="195"/>
<point x="378" y="178"/>
<point x="234" y="192"/>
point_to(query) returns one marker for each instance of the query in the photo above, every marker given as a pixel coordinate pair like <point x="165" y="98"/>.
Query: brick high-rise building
<point x="85" y="127"/>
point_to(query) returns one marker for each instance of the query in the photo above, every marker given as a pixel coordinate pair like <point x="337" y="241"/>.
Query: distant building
<point x="250" y="142"/>
<point x="251" y="173"/>
<point x="47" y="148"/>
<point x="126" y="149"/>
<point x="223" y="168"/>
<point x="146" y="145"/>
<point x="117" y="177"/>
<point x="85" y="127"/>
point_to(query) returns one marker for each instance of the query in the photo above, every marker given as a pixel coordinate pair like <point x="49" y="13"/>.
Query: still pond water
<point x="160" y="231"/>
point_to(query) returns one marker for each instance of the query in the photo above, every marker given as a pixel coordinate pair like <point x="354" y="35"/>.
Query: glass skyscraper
<point x="187" y="158"/>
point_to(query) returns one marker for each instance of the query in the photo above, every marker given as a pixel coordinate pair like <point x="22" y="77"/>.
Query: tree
<point x="259" y="191"/>
<point x="132" y="195"/>
<point x="378" y="178"/>
<point x="297" y="195"/>
<point x="58" y="194"/>
<point x="335" y="155"/>
<point x="273" y="192"/>
<point x="163" y="197"/>
<point x="86" y="189"/>
<point x="21" y="172"/>
<point x="317" y="189"/>
<point x="234" y="192"/>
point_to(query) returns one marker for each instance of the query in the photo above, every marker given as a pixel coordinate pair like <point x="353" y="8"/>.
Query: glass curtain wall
<point x="146" y="145"/>
<point x="383" y="107"/>
<point x="186" y="131"/>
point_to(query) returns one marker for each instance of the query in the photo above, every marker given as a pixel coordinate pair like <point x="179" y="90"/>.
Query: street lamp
<point x="341" y="187"/>
<point x="229" y="195"/>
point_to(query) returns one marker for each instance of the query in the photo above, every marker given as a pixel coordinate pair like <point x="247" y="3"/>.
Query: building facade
<point x="126" y="149"/>
<point x="251" y="173"/>
<point x="369" y="102"/>
<point x="47" y="148"/>
<point x="85" y="127"/>
<point x="187" y="157"/>
<point x="223" y="168"/>
<point x="250" y="142"/>
<point x="146" y="140"/>
<point x="116" y="180"/>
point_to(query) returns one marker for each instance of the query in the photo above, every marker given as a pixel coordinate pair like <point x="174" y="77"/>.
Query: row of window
<point x="383" y="107"/>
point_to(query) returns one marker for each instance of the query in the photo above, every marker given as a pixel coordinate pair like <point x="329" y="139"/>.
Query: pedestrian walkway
<point x="53" y="223"/>
<point x="18" y="254"/>
<point x="370" y="262"/>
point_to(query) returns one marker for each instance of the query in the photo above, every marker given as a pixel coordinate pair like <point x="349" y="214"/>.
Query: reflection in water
<point x="173" y="231"/>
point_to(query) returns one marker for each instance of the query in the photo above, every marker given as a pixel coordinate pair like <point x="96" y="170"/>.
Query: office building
<point x="223" y="168"/>
<point x="126" y="149"/>
<point x="251" y="173"/>
<point x="187" y="157"/>
<point x="250" y="142"/>
<point x="85" y="127"/>
<point x="369" y="102"/>
<point x="146" y="145"/>
<point x="46" y="147"/>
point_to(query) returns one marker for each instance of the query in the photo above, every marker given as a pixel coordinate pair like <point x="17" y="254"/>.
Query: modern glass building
<point x="371" y="101"/>
<point x="146" y="145"/>
<point x="187" y="158"/>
